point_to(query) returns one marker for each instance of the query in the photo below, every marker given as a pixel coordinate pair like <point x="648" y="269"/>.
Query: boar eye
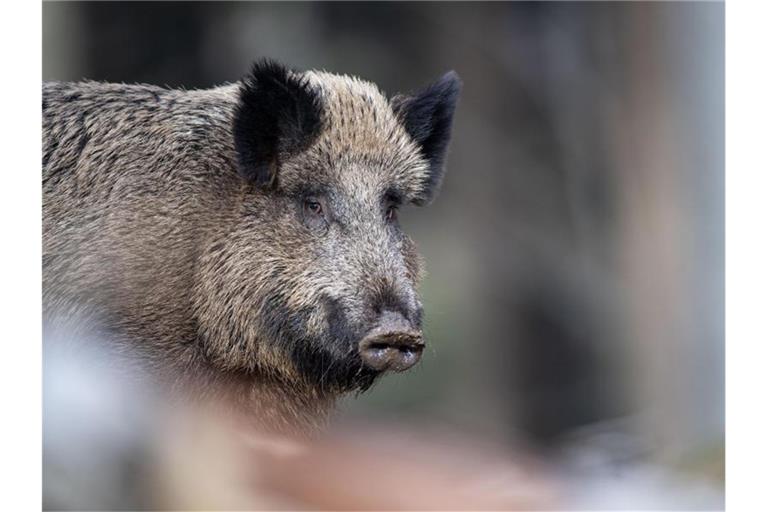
<point x="313" y="206"/>
<point x="391" y="213"/>
<point x="392" y="202"/>
<point x="315" y="213"/>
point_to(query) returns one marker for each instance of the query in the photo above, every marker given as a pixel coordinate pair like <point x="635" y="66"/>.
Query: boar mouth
<point x="386" y="349"/>
<point x="349" y="358"/>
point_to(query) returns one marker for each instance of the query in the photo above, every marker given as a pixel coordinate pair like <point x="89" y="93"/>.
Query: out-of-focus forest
<point x="574" y="301"/>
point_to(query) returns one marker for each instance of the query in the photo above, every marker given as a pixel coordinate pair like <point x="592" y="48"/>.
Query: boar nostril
<point x="396" y="352"/>
<point x="392" y="344"/>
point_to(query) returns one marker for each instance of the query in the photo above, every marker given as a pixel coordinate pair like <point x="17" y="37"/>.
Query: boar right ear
<point x="277" y="115"/>
<point x="427" y="116"/>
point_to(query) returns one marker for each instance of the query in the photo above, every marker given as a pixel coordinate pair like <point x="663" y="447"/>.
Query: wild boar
<point x="245" y="234"/>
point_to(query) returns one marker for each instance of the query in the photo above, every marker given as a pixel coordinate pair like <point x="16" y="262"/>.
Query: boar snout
<point x="393" y="344"/>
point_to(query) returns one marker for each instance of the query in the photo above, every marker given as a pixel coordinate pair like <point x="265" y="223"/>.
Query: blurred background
<point x="574" y="302"/>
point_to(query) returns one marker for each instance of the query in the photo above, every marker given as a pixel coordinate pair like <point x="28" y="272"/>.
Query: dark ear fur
<point x="277" y="116"/>
<point x="427" y="117"/>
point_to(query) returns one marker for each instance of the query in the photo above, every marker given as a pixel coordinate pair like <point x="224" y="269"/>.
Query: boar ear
<point x="277" y="115"/>
<point x="427" y="117"/>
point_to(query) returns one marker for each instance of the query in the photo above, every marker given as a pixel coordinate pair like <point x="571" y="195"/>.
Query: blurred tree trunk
<point x="661" y="184"/>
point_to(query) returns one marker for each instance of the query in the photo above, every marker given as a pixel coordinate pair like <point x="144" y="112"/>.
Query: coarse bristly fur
<point x="244" y="235"/>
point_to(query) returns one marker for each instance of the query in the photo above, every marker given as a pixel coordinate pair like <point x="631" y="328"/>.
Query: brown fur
<point x="152" y="240"/>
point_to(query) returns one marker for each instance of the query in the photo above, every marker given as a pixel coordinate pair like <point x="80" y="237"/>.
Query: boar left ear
<point x="277" y="115"/>
<point x="427" y="117"/>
